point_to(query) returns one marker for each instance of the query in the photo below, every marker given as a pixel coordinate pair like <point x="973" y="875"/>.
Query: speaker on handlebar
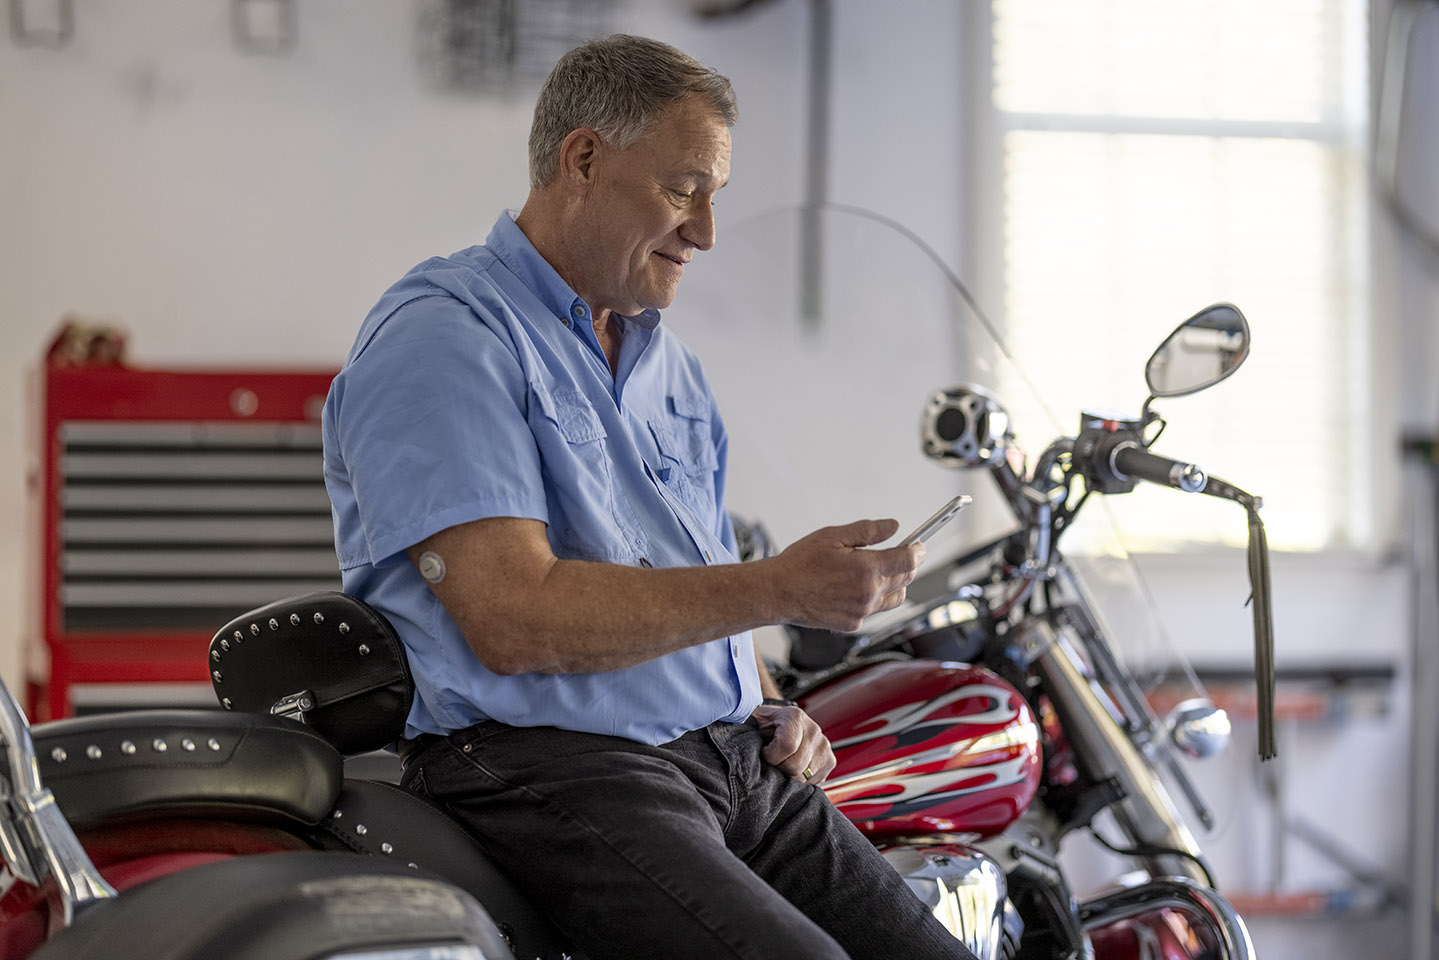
<point x="965" y="426"/>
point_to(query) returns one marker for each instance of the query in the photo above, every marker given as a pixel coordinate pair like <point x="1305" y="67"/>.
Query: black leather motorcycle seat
<point x="184" y="763"/>
<point x="387" y="821"/>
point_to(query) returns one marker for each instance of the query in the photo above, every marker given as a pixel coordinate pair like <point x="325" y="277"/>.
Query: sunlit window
<point x="1161" y="155"/>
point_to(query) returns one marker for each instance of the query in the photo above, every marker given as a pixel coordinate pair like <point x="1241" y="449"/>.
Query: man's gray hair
<point x="617" y="86"/>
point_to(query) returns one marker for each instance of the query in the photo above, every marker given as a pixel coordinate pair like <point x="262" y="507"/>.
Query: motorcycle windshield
<point x="825" y="331"/>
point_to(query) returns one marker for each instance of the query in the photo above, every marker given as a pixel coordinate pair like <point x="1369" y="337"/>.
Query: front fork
<point x="1144" y="810"/>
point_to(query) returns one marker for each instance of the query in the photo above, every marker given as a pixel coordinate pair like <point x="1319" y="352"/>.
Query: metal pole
<point x="1423" y="472"/>
<point x="816" y="187"/>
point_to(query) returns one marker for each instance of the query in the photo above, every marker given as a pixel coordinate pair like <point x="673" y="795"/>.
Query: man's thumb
<point x="864" y="533"/>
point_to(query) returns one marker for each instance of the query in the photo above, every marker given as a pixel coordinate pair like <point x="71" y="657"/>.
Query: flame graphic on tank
<point x="906" y="718"/>
<point x="958" y="752"/>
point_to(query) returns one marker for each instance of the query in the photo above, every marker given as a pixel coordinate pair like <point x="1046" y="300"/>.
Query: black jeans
<point x="690" y="850"/>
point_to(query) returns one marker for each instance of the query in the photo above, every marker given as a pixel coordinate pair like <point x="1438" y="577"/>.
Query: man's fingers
<point x="892" y="599"/>
<point x="812" y="765"/>
<point x="797" y="745"/>
<point x="863" y="533"/>
<point x="784" y="747"/>
<point x="900" y="560"/>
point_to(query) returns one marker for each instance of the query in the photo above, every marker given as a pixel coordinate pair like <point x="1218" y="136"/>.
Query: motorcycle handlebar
<point x="1128" y="459"/>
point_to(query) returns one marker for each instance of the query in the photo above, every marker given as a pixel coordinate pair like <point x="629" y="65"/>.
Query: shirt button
<point x="565" y="321"/>
<point x="709" y="556"/>
<point x="578" y="310"/>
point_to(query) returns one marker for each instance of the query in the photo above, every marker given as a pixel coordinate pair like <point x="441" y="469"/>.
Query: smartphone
<point x="941" y="516"/>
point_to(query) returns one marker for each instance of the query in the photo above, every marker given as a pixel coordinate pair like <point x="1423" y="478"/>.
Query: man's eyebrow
<point x="703" y="176"/>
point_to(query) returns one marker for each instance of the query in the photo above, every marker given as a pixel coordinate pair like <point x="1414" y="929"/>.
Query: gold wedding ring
<point x="807" y="773"/>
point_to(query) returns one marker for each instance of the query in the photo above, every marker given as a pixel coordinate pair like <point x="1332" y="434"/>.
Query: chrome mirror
<point x="1198" y="728"/>
<point x="1202" y="350"/>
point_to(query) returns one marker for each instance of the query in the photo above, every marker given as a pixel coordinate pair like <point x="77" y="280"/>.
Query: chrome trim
<point x="963" y="888"/>
<point x="187" y="434"/>
<point x="1178" y="894"/>
<point x="1146" y="812"/>
<point x="294" y="705"/>
<point x="455" y="952"/>
<point x="35" y="838"/>
<point x="1198" y="728"/>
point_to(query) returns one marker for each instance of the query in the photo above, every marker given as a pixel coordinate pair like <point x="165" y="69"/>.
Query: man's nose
<point x="699" y="229"/>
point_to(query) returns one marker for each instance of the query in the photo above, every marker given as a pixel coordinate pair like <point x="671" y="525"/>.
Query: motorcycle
<point x="997" y="715"/>
<point x="978" y="732"/>
<point x="991" y="720"/>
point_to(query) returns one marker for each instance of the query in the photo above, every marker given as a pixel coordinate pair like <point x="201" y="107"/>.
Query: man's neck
<point x="542" y="223"/>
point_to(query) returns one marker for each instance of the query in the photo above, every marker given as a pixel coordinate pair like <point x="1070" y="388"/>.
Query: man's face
<point x="651" y="208"/>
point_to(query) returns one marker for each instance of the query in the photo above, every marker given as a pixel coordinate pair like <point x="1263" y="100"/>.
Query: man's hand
<point x="795" y="743"/>
<point x="825" y="580"/>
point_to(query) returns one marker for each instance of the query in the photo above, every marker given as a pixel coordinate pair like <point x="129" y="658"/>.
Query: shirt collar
<point x="509" y="243"/>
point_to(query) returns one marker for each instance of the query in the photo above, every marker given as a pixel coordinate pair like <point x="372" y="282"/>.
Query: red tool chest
<point x="168" y="501"/>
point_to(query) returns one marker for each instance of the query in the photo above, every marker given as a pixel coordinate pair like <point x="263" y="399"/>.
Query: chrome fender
<point x="962" y="887"/>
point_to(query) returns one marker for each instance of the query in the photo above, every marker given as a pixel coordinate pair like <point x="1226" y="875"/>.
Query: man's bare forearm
<point x="522" y="610"/>
<point x="595" y="617"/>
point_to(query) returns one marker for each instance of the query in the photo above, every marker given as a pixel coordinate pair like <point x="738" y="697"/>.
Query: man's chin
<point x="659" y="300"/>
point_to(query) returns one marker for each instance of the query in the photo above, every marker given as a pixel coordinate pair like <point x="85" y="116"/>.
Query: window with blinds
<point x="1160" y="155"/>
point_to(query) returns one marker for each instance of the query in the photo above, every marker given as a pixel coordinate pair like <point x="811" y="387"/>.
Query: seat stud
<point x="159" y="745"/>
<point x="361" y="829"/>
<point x="59" y="755"/>
<point x="216" y="675"/>
<point x="188" y="745"/>
<point x="364" y="649"/>
<point x="344" y="627"/>
<point x="319" y="617"/>
<point x="127" y="747"/>
<point x="254" y="629"/>
<point x="213" y="744"/>
<point x="274" y="624"/>
<point x="239" y="637"/>
<point x="215" y="655"/>
<point x="294" y="619"/>
<point x="386" y="848"/>
<point x="227" y="704"/>
<point x="93" y="752"/>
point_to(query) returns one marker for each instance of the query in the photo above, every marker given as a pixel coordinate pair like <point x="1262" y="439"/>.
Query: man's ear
<point x="579" y="155"/>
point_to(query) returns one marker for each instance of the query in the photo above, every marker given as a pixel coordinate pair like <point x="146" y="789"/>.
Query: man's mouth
<point x="679" y="260"/>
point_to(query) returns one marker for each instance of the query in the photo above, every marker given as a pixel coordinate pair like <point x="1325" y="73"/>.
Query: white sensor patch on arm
<point x="432" y="568"/>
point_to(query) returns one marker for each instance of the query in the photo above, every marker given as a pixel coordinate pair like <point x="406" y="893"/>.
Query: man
<point x="527" y="473"/>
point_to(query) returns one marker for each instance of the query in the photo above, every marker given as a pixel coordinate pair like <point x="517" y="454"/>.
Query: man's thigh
<point x="793" y="837"/>
<point x="622" y="843"/>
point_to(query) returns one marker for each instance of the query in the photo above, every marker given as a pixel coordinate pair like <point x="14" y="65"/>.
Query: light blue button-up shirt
<point x="477" y="388"/>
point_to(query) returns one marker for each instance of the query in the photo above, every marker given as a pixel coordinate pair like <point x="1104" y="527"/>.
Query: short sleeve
<point x="429" y="418"/>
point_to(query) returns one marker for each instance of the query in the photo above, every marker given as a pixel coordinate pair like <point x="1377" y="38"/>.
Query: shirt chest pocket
<point x="686" y="443"/>
<point x="589" y="519"/>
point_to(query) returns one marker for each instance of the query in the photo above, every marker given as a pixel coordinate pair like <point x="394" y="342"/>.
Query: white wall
<point x="238" y="210"/>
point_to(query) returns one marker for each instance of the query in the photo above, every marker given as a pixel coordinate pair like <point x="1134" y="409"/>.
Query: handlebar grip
<point x="1129" y="459"/>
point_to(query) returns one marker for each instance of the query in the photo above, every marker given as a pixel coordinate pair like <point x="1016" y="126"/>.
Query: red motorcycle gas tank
<point x="925" y="747"/>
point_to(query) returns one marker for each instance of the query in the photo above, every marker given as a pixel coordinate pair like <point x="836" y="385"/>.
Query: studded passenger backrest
<point x="325" y="658"/>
